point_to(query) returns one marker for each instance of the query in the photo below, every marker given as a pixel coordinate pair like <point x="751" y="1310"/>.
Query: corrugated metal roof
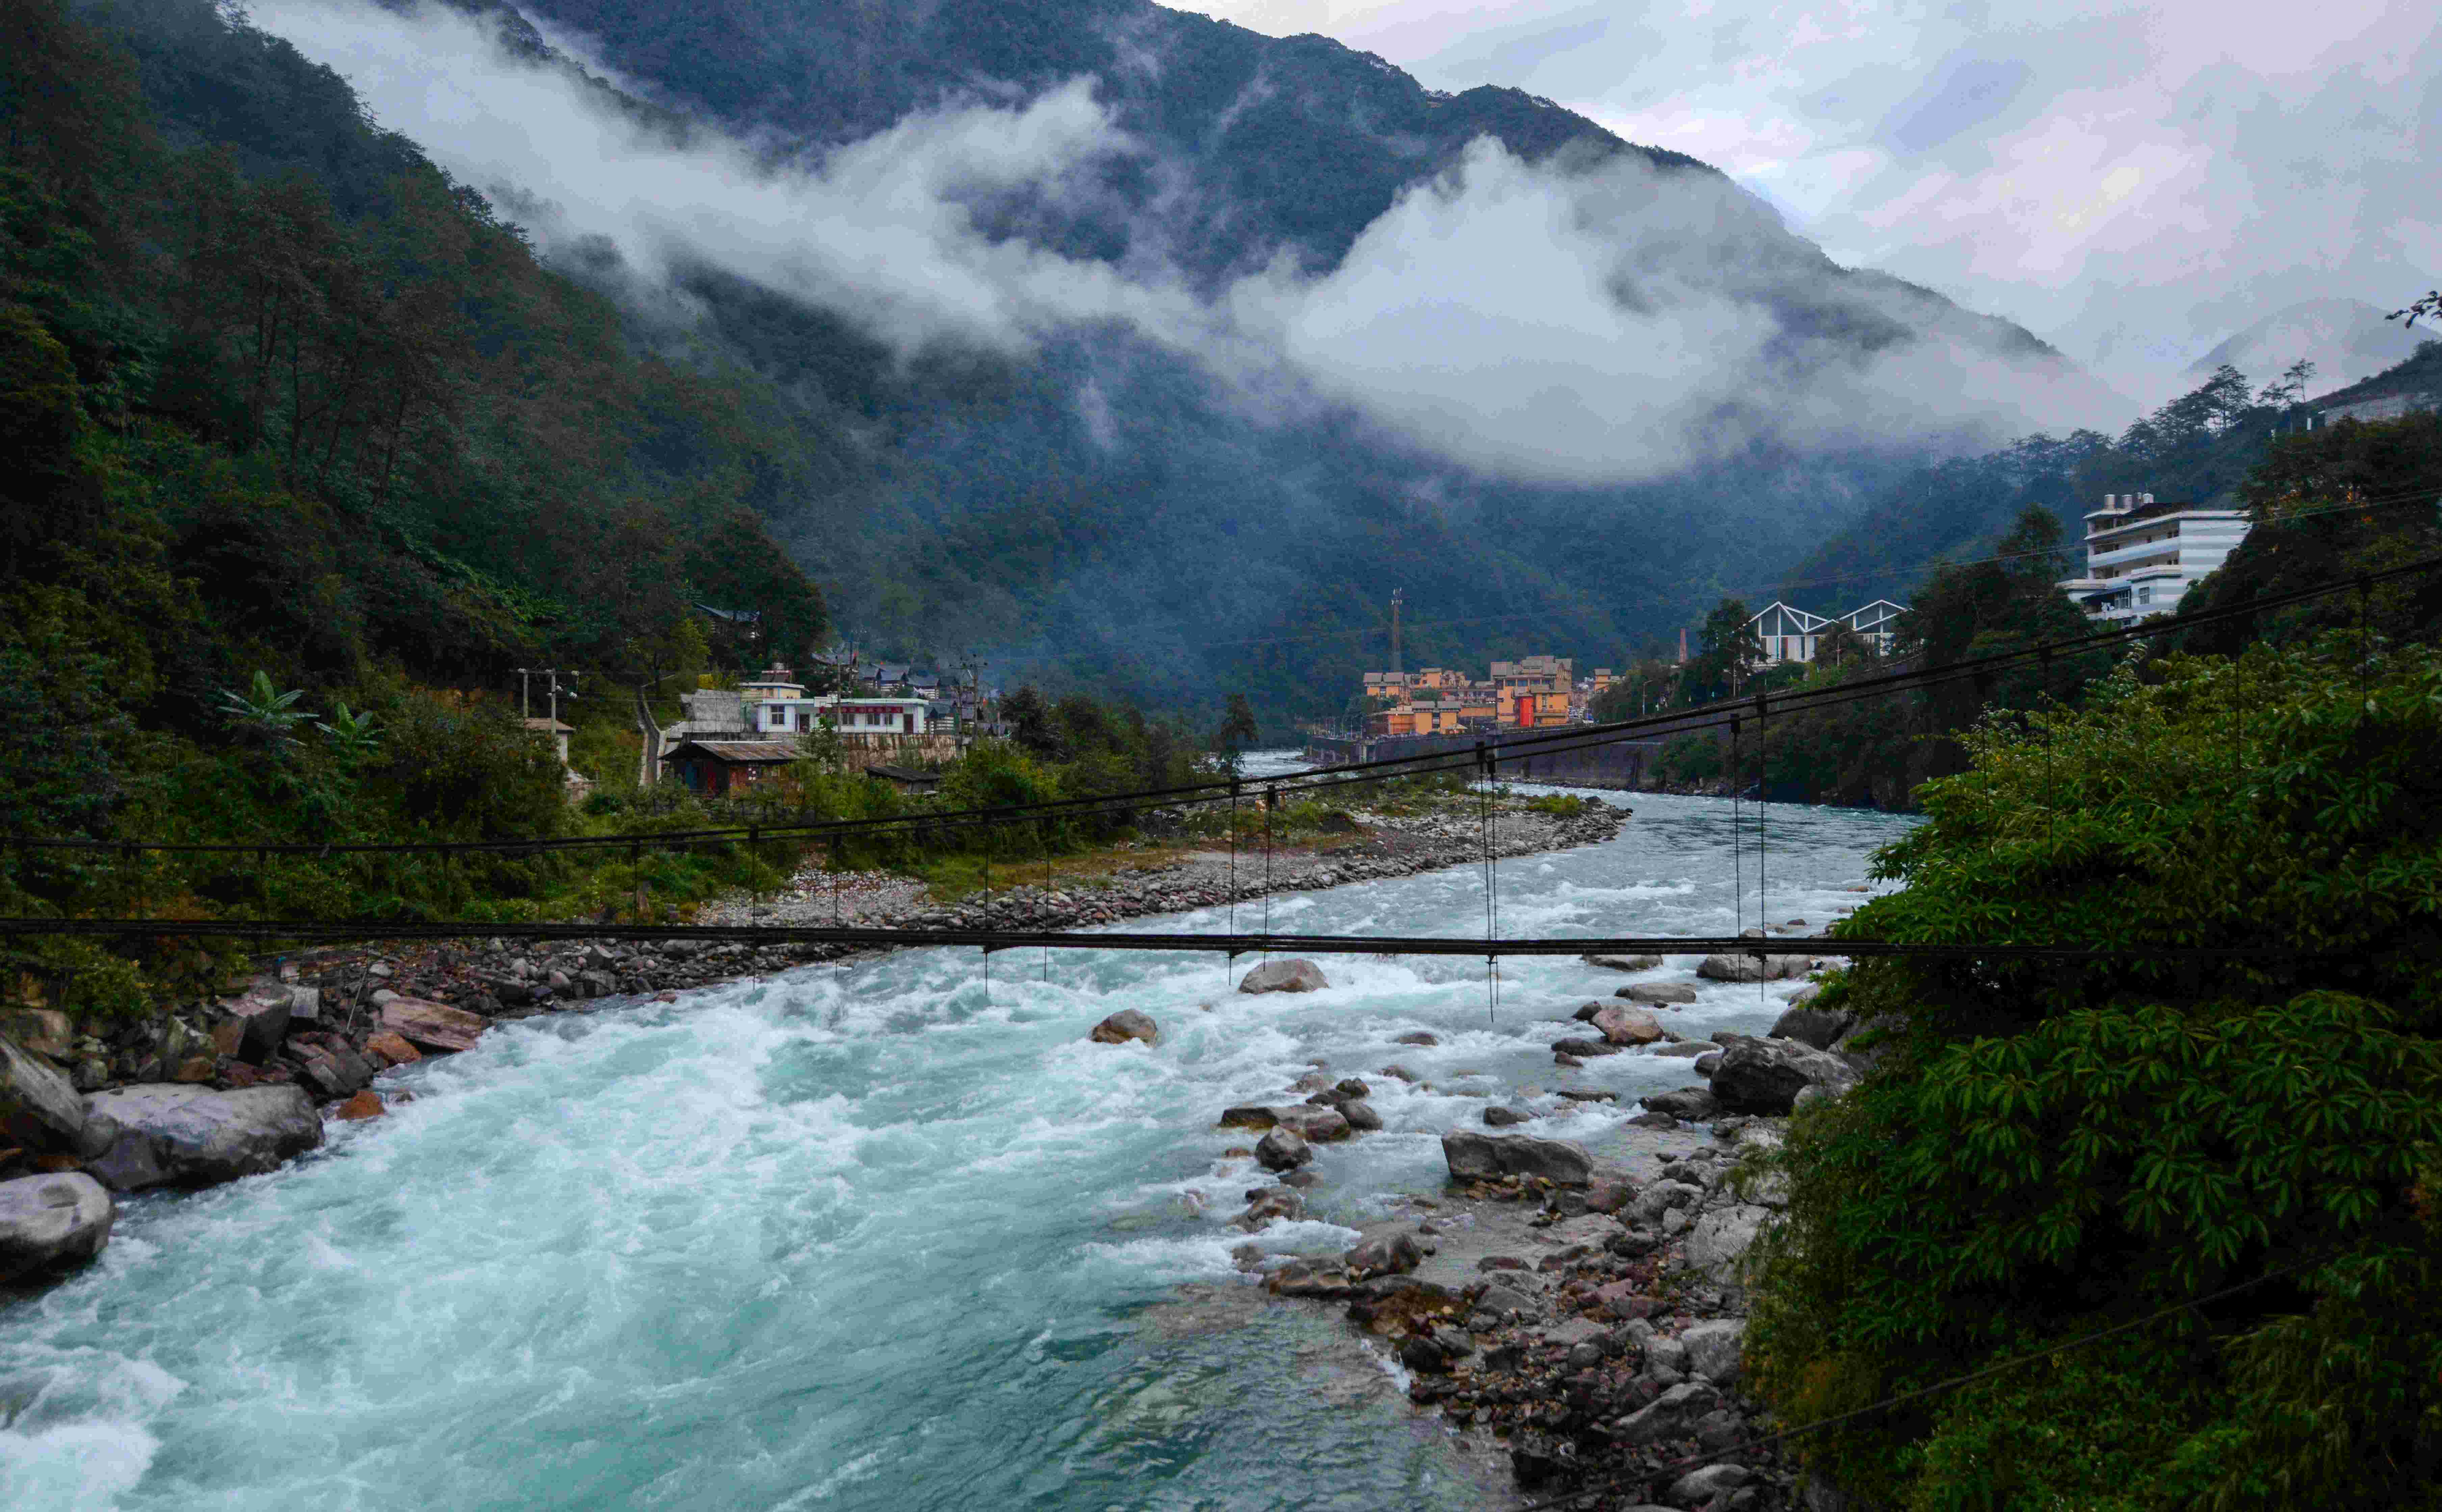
<point x="742" y="751"/>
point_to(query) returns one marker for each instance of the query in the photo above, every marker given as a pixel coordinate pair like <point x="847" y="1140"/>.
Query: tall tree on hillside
<point x="1238" y="728"/>
<point x="1728" y="650"/>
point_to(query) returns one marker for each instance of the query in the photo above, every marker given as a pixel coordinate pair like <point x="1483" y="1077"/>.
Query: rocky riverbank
<point x="1584" y="1319"/>
<point x="235" y="1084"/>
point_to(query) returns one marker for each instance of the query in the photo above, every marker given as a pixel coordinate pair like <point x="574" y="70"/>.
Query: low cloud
<point x="1602" y="325"/>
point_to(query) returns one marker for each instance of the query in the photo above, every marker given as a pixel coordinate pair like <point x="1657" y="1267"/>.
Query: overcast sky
<point x="2133" y="184"/>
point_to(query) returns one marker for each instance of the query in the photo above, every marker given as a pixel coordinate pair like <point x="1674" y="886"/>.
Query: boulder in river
<point x="432" y="1027"/>
<point x="1311" y="1121"/>
<point x="1282" y="1149"/>
<point x="1498" y="1116"/>
<point x="1359" y="1113"/>
<point x="39" y="1109"/>
<point x="51" y="1223"/>
<point x="1627" y="1026"/>
<point x="1285" y="976"/>
<point x="1474" y="1156"/>
<point x="1582" y="1048"/>
<point x="1658" y="995"/>
<point x="1765" y="1076"/>
<point x="1126" y="1025"/>
<point x="1739" y="968"/>
<point x="1623" y="963"/>
<point x="1418" y="1037"/>
<point x="1385" y="1254"/>
<point x="162" y="1135"/>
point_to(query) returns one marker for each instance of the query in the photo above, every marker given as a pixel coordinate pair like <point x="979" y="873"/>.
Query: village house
<point x="729" y="769"/>
<point x="2143" y="555"/>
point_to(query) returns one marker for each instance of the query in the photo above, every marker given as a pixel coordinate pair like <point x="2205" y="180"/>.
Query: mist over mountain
<point x="1149" y="353"/>
<point x="2347" y="340"/>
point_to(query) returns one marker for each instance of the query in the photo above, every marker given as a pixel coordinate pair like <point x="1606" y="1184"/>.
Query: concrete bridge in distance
<point x="1616" y="763"/>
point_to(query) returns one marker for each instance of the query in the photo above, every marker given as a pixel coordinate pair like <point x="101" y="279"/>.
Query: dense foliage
<point x="282" y="460"/>
<point x="2049" y="1147"/>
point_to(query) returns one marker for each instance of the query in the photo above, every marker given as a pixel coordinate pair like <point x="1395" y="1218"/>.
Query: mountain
<point x="1145" y="354"/>
<point x="2199" y="446"/>
<point x="2347" y="340"/>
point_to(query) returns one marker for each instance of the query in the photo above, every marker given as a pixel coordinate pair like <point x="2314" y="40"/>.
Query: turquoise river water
<point x="862" y="1237"/>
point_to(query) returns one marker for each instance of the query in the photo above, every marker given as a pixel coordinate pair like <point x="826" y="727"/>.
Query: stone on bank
<point x="51" y="1223"/>
<point x="39" y="1109"/>
<point x="168" y="1135"/>
<point x="1474" y="1156"/>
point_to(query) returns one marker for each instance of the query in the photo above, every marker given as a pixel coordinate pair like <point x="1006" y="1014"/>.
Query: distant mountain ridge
<point x="1098" y="512"/>
<point x="2348" y="341"/>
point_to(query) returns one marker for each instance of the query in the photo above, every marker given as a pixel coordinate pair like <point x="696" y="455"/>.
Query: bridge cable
<point x="1271" y="801"/>
<point x="1764" y="801"/>
<point x="1738" y="860"/>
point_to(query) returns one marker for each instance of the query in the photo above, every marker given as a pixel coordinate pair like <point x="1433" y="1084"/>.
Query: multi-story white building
<point x="2143" y="555"/>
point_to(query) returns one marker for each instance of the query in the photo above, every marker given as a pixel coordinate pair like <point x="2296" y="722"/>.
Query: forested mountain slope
<point x="1212" y="478"/>
<point x="2197" y="447"/>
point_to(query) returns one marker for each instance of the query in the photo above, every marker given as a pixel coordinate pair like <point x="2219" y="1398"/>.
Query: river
<point x="864" y="1237"/>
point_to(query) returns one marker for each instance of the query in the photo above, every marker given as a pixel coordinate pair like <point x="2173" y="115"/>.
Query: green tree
<point x="1238" y="728"/>
<point x="2046" y="1147"/>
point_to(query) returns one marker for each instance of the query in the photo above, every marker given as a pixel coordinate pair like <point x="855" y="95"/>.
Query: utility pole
<point x="1398" y="596"/>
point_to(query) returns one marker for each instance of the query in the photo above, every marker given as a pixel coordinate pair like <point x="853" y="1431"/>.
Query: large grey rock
<point x="1692" y="1103"/>
<point x="1282" y="1149"/>
<point x="1623" y="963"/>
<point x="1820" y="1027"/>
<point x="51" y="1223"/>
<point x="1474" y="1156"/>
<point x="164" y="1135"/>
<point x="1285" y="976"/>
<point x="1658" y="995"/>
<point x="1584" y="1049"/>
<point x="1660" y="1198"/>
<point x="1698" y="1487"/>
<point x="39" y="1109"/>
<point x="1356" y="1110"/>
<point x="1385" y="1254"/>
<point x="1627" y="1026"/>
<point x="1125" y="1025"/>
<point x="1716" y="1349"/>
<point x="1668" y="1415"/>
<point x="1735" y="968"/>
<point x="1765" y="1076"/>
<point x="1312" y="1122"/>
<point x="1717" y="1247"/>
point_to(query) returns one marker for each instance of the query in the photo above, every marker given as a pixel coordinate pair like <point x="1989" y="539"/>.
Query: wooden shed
<point x="725" y="768"/>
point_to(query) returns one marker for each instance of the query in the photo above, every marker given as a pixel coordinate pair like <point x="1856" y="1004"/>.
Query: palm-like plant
<point x="351" y="735"/>
<point x="262" y="714"/>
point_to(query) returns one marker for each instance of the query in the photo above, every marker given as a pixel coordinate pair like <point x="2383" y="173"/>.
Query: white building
<point x="801" y="715"/>
<point x="2142" y="556"/>
<point x="1789" y="634"/>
